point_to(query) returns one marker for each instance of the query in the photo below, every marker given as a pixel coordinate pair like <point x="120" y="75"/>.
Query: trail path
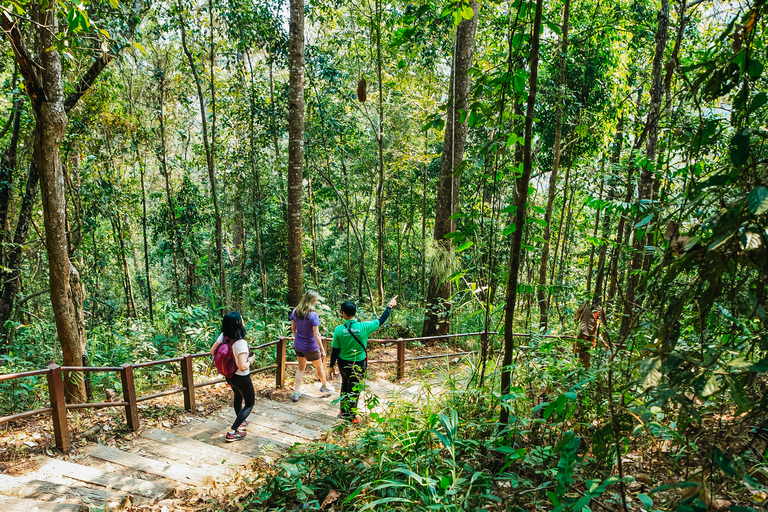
<point x="147" y="470"/>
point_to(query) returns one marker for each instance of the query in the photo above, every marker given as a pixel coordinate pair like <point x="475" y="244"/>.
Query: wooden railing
<point x="58" y="406"/>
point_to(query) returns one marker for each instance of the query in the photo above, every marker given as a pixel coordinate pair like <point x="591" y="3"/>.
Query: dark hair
<point x="232" y="326"/>
<point x="349" y="308"/>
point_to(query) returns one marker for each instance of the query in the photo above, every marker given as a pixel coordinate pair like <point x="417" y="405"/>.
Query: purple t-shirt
<point x="305" y="334"/>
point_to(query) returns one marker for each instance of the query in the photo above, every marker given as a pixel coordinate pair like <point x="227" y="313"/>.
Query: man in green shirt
<point x="349" y="346"/>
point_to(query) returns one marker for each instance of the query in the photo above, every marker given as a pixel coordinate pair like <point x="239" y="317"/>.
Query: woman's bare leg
<point x="320" y="371"/>
<point x="299" y="374"/>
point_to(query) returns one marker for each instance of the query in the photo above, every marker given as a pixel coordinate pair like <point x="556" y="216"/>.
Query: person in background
<point x="305" y="324"/>
<point x="233" y="331"/>
<point x="349" y="347"/>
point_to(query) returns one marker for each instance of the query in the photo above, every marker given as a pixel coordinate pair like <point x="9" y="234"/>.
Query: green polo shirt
<point x="349" y="349"/>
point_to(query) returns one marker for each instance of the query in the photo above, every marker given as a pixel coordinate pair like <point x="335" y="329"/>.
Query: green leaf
<point x="755" y="68"/>
<point x="583" y="502"/>
<point x="509" y="229"/>
<point x="710" y="387"/>
<point x="466" y="245"/>
<point x="647" y="219"/>
<point x="725" y="463"/>
<point x="758" y="101"/>
<point x="114" y="4"/>
<point x="650" y="372"/>
<point x="141" y="48"/>
<point x="739" y="148"/>
<point x="720" y="241"/>
<point x="738" y="394"/>
<point x="466" y="12"/>
<point x="646" y="500"/>
<point x="758" y="200"/>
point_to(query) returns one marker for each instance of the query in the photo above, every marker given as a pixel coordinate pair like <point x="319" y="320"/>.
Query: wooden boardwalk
<point x="145" y="473"/>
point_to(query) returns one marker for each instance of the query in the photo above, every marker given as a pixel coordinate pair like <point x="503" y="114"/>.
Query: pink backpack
<point x="224" y="358"/>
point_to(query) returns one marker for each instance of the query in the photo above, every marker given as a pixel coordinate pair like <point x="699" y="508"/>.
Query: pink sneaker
<point x="235" y="436"/>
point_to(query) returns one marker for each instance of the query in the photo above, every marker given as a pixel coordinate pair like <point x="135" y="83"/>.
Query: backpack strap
<point x="357" y="340"/>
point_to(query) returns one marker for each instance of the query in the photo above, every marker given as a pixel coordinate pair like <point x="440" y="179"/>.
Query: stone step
<point x="184" y="448"/>
<point x="54" y="470"/>
<point x="32" y="489"/>
<point x="182" y="473"/>
<point x="24" y="505"/>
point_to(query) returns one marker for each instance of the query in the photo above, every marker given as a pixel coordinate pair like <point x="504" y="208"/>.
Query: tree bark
<point x="295" y="267"/>
<point x="162" y="157"/>
<point x="552" y="190"/>
<point x="521" y="186"/>
<point x="46" y="92"/>
<point x="597" y="297"/>
<point x="209" y="145"/>
<point x="436" y="316"/>
<point x="12" y="277"/>
<point x="380" y="186"/>
<point x="645" y="188"/>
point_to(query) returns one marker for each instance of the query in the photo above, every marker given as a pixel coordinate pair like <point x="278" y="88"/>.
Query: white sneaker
<point x="326" y="389"/>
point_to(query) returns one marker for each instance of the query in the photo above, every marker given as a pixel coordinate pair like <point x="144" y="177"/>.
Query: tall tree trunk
<point x="209" y="145"/>
<point x="148" y="276"/>
<point x="560" y="227"/>
<point x="645" y="189"/>
<point x="594" y="234"/>
<point x="162" y="156"/>
<point x="436" y="315"/>
<point x="312" y="230"/>
<point x="380" y="185"/>
<point x="521" y="199"/>
<point x="46" y="95"/>
<point x="9" y="272"/>
<point x="12" y="276"/>
<point x="613" y="282"/>
<point x="274" y="110"/>
<point x="7" y="168"/>
<point x="130" y="302"/>
<point x="295" y="267"/>
<point x="256" y="192"/>
<point x="597" y="298"/>
<point x="552" y="190"/>
<point x="423" y="262"/>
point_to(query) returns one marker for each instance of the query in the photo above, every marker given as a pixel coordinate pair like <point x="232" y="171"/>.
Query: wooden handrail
<point x="58" y="406"/>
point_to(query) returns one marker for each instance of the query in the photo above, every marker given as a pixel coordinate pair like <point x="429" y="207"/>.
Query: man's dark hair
<point x="349" y="308"/>
<point x="232" y="326"/>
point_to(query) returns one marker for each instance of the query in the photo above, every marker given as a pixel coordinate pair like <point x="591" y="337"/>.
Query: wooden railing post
<point x="129" y="395"/>
<point x="400" y="358"/>
<point x="280" y="360"/>
<point x="188" y="381"/>
<point x="59" y="405"/>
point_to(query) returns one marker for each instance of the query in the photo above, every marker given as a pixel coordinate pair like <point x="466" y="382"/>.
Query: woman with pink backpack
<point x="230" y="353"/>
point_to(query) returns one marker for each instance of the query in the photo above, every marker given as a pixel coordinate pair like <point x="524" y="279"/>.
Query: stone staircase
<point x="147" y="472"/>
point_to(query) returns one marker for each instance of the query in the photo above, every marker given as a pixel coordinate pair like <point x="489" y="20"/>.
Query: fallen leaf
<point x="333" y="495"/>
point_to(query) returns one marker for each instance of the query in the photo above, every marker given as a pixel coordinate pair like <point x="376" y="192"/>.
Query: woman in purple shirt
<point x="305" y="324"/>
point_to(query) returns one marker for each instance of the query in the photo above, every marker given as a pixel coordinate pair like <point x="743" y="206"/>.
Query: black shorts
<point x="309" y="356"/>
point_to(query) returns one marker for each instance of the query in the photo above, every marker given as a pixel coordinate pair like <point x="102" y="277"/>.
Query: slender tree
<point x="295" y="267"/>
<point x="436" y="320"/>
<point x="521" y="199"/>
<point x="552" y="189"/>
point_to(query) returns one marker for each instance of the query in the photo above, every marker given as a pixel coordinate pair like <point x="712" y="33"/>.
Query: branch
<point x="90" y="76"/>
<point x="26" y="63"/>
<point x="87" y="80"/>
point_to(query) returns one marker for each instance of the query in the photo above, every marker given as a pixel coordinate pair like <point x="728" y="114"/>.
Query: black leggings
<point x="243" y="388"/>
<point x="351" y="373"/>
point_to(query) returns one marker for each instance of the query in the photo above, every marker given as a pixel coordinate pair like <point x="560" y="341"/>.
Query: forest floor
<point x="652" y="460"/>
<point x="25" y="442"/>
